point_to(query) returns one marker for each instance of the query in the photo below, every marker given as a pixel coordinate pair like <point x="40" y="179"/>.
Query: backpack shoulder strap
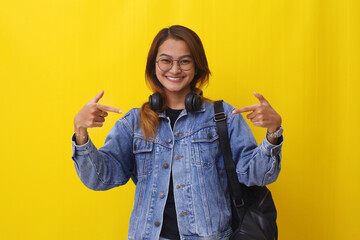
<point x="234" y="185"/>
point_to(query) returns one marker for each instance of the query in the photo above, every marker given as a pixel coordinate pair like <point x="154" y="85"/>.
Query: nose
<point x="175" y="68"/>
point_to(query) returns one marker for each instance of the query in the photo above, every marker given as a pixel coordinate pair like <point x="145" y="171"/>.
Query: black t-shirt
<point x="170" y="227"/>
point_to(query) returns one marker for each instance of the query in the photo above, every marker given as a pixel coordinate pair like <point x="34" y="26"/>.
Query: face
<point x="175" y="80"/>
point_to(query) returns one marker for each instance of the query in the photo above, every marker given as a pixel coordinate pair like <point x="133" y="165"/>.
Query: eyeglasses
<point x="165" y="64"/>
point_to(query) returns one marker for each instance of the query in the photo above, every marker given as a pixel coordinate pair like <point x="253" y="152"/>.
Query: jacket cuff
<point x="80" y="149"/>
<point x="271" y="149"/>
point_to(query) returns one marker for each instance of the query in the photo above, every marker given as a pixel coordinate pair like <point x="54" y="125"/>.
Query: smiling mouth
<point x="174" y="79"/>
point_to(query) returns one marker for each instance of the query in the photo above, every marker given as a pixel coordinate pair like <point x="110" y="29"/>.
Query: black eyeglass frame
<point x="172" y="64"/>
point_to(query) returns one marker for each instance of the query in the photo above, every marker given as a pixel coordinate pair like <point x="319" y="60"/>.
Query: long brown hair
<point x="149" y="118"/>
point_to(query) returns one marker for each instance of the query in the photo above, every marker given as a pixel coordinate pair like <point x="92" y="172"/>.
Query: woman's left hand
<point x="262" y="114"/>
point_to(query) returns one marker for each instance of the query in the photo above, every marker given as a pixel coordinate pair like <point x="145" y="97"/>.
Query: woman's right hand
<point x="91" y="115"/>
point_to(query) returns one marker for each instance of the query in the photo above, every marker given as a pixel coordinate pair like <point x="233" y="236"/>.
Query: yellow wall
<point x="55" y="55"/>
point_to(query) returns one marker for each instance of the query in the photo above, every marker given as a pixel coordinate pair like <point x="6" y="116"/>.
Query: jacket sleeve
<point x="110" y="166"/>
<point x="255" y="165"/>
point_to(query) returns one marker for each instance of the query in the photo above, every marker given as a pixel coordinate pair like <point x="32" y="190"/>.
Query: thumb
<point x="97" y="97"/>
<point x="260" y="97"/>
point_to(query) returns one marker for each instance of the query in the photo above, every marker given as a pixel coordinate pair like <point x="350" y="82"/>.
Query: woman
<point x="170" y="147"/>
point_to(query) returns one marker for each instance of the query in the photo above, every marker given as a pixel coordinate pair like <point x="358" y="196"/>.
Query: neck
<point x="176" y="100"/>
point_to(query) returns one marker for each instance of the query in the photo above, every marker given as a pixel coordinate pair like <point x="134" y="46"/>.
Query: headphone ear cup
<point x="193" y="102"/>
<point x="155" y="102"/>
<point x="197" y="102"/>
<point x="189" y="101"/>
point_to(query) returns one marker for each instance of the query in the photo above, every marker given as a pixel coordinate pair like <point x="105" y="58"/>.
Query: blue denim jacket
<point x="193" y="153"/>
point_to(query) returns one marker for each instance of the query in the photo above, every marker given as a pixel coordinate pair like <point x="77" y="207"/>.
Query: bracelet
<point x="79" y="135"/>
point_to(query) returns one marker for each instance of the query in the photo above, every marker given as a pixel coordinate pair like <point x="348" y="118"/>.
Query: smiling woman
<point x="170" y="147"/>
<point x="171" y="44"/>
<point x="175" y="79"/>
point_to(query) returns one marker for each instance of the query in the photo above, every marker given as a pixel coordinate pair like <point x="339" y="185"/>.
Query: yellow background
<point x="55" y="55"/>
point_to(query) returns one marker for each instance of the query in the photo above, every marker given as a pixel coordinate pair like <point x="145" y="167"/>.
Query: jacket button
<point x="162" y="195"/>
<point x="165" y="165"/>
<point x="168" y="140"/>
<point x="157" y="224"/>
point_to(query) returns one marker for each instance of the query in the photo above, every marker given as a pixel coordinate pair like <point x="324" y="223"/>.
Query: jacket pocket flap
<point x="141" y="145"/>
<point x="208" y="134"/>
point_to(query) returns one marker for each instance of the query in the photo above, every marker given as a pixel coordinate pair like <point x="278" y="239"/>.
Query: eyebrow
<point x="164" y="54"/>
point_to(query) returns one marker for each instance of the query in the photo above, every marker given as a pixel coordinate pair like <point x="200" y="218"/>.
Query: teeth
<point x="173" y="78"/>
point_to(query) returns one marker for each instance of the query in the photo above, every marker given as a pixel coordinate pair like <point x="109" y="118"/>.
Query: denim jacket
<point x="193" y="153"/>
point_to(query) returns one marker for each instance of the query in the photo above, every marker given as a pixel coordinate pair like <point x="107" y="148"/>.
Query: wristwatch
<point x="276" y="134"/>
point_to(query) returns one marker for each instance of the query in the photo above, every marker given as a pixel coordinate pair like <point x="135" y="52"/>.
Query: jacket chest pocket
<point x="143" y="151"/>
<point x="205" y="148"/>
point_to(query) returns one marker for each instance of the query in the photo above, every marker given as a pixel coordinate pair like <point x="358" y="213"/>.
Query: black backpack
<point x="253" y="209"/>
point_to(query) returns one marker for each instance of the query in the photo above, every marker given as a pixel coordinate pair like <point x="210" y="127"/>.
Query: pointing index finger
<point x="244" y="109"/>
<point x="108" y="108"/>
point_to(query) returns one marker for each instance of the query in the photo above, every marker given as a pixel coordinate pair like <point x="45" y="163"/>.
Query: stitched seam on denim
<point x="264" y="148"/>
<point x="127" y="126"/>
<point x="147" y="150"/>
<point x="219" y="199"/>
<point x="83" y="149"/>
<point x="189" y="191"/>
<point x="205" y="140"/>
<point x="155" y="141"/>
<point x="196" y="159"/>
<point x="81" y="153"/>
<point x="141" y="194"/>
<point x="205" y="201"/>
<point x="209" y="124"/>
<point x="270" y="172"/>
<point x="267" y="145"/>
<point x="229" y="115"/>
<point x="230" y="119"/>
